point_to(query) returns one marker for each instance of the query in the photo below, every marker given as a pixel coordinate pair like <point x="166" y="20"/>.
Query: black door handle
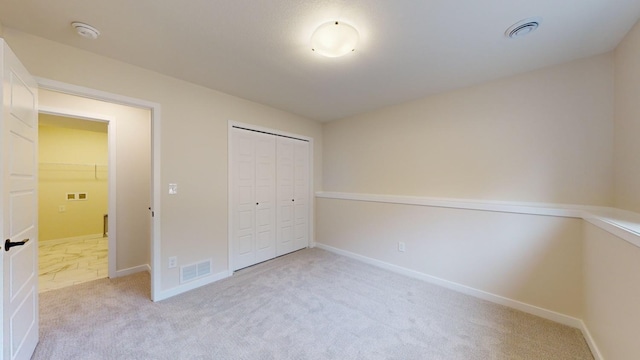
<point x="8" y="244"/>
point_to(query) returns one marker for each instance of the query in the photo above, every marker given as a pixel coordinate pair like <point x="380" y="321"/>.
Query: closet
<point x="269" y="196"/>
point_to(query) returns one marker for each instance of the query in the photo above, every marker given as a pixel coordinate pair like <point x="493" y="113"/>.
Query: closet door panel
<point x="265" y="196"/>
<point x="301" y="194"/>
<point x="245" y="246"/>
<point x="243" y="167"/>
<point x="285" y="180"/>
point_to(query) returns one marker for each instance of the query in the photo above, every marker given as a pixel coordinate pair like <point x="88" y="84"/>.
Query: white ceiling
<point x="259" y="50"/>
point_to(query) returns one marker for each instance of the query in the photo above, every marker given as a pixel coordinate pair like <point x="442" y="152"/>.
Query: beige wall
<point x="544" y="136"/>
<point x="533" y="259"/>
<point x="612" y="293"/>
<point x="194" y="142"/>
<point x="611" y="264"/>
<point x="627" y="122"/>
<point x="68" y="158"/>
<point x="133" y="172"/>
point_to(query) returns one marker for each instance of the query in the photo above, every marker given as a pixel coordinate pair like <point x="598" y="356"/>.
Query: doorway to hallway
<point x="73" y="201"/>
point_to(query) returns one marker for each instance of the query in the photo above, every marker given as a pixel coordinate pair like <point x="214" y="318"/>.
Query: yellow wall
<point x="60" y="145"/>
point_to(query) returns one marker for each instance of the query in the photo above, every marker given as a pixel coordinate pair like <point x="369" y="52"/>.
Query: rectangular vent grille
<point x="195" y="271"/>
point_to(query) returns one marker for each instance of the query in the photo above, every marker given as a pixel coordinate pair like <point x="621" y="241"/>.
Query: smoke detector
<point x="85" y="30"/>
<point x="523" y="27"/>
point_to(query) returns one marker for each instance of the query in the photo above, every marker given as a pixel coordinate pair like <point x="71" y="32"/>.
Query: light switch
<point x="173" y="189"/>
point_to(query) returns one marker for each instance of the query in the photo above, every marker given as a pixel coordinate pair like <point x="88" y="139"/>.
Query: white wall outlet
<point x="61" y="208"/>
<point x="401" y="246"/>
<point x="173" y="189"/>
<point x="173" y="262"/>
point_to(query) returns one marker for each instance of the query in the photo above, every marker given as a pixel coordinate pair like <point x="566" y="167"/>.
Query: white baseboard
<point x="518" y="305"/>
<point x="590" y="341"/>
<point x="133" y="270"/>
<point x="192" y="285"/>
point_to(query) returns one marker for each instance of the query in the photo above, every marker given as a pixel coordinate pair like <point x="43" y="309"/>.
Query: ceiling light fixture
<point x="523" y="27"/>
<point x="334" y="38"/>
<point x="85" y="30"/>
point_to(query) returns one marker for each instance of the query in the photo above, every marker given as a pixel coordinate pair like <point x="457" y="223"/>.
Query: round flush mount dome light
<point x="334" y="38"/>
<point x="523" y="27"/>
<point x="85" y="30"/>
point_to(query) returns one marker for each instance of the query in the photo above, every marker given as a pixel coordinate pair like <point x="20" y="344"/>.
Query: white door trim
<point x="155" y="163"/>
<point x="231" y="124"/>
<point x="111" y="135"/>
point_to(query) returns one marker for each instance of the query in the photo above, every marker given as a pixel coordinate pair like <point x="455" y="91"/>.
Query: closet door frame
<point x="230" y="182"/>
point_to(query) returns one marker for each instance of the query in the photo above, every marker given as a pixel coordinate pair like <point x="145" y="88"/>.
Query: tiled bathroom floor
<point x="67" y="262"/>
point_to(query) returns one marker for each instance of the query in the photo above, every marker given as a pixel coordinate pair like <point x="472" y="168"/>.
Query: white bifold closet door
<point x="293" y="195"/>
<point x="270" y="199"/>
<point x="254" y="223"/>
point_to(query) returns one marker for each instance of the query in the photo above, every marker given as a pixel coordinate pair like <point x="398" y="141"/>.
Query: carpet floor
<point x="311" y="304"/>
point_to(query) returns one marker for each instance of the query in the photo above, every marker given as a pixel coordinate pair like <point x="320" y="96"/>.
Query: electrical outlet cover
<point x="401" y="246"/>
<point x="173" y="262"/>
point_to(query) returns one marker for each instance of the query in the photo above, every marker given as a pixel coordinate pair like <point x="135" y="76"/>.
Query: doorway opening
<point x="129" y="172"/>
<point x="72" y="200"/>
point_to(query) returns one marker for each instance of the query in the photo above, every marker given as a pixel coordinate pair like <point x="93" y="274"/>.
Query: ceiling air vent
<point x="523" y="27"/>
<point x="85" y="30"/>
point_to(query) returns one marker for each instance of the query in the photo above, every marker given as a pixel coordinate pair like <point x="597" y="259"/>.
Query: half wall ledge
<point x="621" y="223"/>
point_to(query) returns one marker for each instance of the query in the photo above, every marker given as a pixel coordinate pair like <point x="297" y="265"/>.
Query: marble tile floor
<point x="63" y="263"/>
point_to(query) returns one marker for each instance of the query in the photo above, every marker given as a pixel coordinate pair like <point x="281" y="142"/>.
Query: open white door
<point x="18" y="179"/>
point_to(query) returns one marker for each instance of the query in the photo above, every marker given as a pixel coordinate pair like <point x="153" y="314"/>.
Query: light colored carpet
<point x="311" y="304"/>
